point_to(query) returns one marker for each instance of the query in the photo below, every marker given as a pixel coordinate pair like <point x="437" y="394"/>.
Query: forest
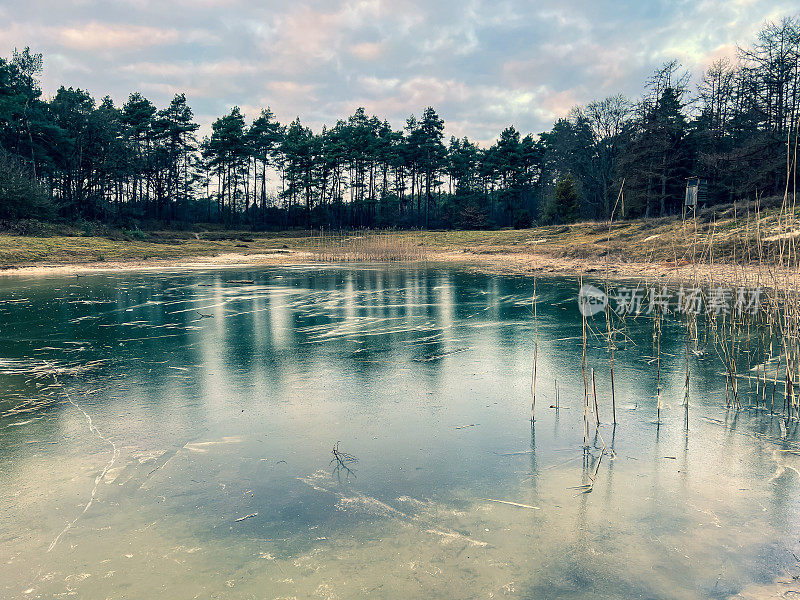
<point x="71" y="158"/>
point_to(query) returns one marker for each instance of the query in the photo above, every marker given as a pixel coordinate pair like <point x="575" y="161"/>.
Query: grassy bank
<point x="729" y="233"/>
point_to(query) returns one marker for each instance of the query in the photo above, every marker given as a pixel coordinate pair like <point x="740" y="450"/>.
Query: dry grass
<point x="730" y="232"/>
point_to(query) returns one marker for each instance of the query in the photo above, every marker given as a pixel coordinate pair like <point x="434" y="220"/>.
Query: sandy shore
<point x="192" y="263"/>
<point x="499" y="263"/>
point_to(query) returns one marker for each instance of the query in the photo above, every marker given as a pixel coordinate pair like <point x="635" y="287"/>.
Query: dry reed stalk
<point x="585" y="382"/>
<point x="691" y="322"/>
<point x="557" y="393"/>
<point x="657" y="322"/>
<point x="610" y="331"/>
<point x="535" y="353"/>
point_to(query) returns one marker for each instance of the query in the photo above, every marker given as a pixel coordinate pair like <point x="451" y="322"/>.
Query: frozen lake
<point x="170" y="435"/>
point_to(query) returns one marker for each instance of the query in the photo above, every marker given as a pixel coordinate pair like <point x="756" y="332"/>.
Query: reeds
<point x="369" y="246"/>
<point x="764" y="327"/>
<point x="751" y="316"/>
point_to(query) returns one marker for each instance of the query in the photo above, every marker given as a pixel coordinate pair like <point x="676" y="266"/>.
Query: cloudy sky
<point x="483" y="65"/>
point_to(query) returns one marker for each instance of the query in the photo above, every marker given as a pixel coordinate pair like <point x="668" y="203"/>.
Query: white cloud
<point x="367" y="50"/>
<point x="219" y="68"/>
<point x="484" y="64"/>
<point x="95" y="36"/>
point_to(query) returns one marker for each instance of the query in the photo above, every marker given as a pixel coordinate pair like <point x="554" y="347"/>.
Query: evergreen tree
<point x="562" y="205"/>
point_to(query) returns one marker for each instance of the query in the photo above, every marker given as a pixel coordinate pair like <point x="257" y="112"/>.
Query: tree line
<point x="69" y="157"/>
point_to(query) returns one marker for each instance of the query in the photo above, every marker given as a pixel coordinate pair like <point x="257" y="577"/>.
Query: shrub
<point x="522" y="219"/>
<point x="21" y="197"/>
<point x="471" y="217"/>
<point x="135" y="233"/>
